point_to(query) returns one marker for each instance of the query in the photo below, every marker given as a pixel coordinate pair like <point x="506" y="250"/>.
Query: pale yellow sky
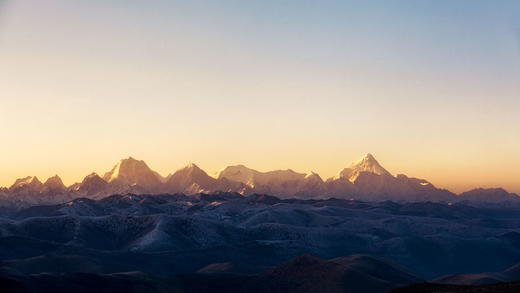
<point x="302" y="85"/>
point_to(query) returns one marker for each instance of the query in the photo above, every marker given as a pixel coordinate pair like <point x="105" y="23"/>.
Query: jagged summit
<point x="27" y="186"/>
<point x="92" y="175"/>
<point x="29" y="181"/>
<point x="364" y="179"/>
<point x="92" y="184"/>
<point x="189" y="171"/>
<point x="312" y="175"/>
<point x="190" y="179"/>
<point x="369" y="164"/>
<point x="128" y="169"/>
<point x="54" y="180"/>
<point x="133" y="172"/>
<point x="192" y="166"/>
<point x="54" y="184"/>
<point x="366" y="164"/>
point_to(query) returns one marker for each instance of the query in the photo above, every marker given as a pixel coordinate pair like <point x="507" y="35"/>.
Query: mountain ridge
<point x="365" y="179"/>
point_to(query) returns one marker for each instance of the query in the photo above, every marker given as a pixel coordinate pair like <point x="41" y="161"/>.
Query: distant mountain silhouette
<point x="365" y="180"/>
<point x="488" y="195"/>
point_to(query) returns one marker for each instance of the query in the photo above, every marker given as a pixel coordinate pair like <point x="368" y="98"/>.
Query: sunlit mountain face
<point x="272" y="100"/>
<point x="364" y="180"/>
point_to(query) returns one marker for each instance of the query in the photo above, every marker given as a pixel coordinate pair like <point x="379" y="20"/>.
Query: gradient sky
<point x="431" y="88"/>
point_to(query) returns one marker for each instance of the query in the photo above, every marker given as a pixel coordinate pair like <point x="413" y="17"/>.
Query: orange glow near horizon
<point x="311" y="87"/>
<point x="449" y="179"/>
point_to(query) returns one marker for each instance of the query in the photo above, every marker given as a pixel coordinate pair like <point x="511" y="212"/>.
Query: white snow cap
<point x="366" y="164"/>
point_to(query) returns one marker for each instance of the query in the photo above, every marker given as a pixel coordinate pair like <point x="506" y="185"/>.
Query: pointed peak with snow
<point x="370" y="163"/>
<point x="190" y="169"/>
<point x="190" y="179"/>
<point x="191" y="165"/>
<point x="367" y="163"/>
<point x="312" y="174"/>
<point x="132" y="171"/>
<point x="31" y="181"/>
<point x="29" y="184"/>
<point x="368" y="156"/>
<point x="313" y="177"/>
<point x="123" y="167"/>
<point x="91" y="184"/>
<point x="92" y="176"/>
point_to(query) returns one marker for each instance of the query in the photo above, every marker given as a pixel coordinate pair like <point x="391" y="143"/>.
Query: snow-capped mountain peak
<point x="192" y="166"/>
<point x="239" y="173"/>
<point x="313" y="176"/>
<point x="364" y="179"/>
<point x="129" y="167"/>
<point x="133" y="172"/>
<point x="29" y="181"/>
<point x="366" y="164"/>
<point x="369" y="164"/>
<point x="190" y="170"/>
<point x="251" y="177"/>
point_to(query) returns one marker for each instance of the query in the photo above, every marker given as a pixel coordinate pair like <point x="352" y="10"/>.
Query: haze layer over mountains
<point x="365" y="179"/>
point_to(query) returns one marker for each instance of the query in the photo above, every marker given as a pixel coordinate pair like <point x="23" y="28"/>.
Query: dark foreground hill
<point x="306" y="273"/>
<point x="174" y="234"/>
<point x="203" y="242"/>
<point x="303" y="274"/>
<point x="437" y="288"/>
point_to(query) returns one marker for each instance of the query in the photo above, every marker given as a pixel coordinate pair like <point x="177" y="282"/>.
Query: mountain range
<point x="365" y="180"/>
